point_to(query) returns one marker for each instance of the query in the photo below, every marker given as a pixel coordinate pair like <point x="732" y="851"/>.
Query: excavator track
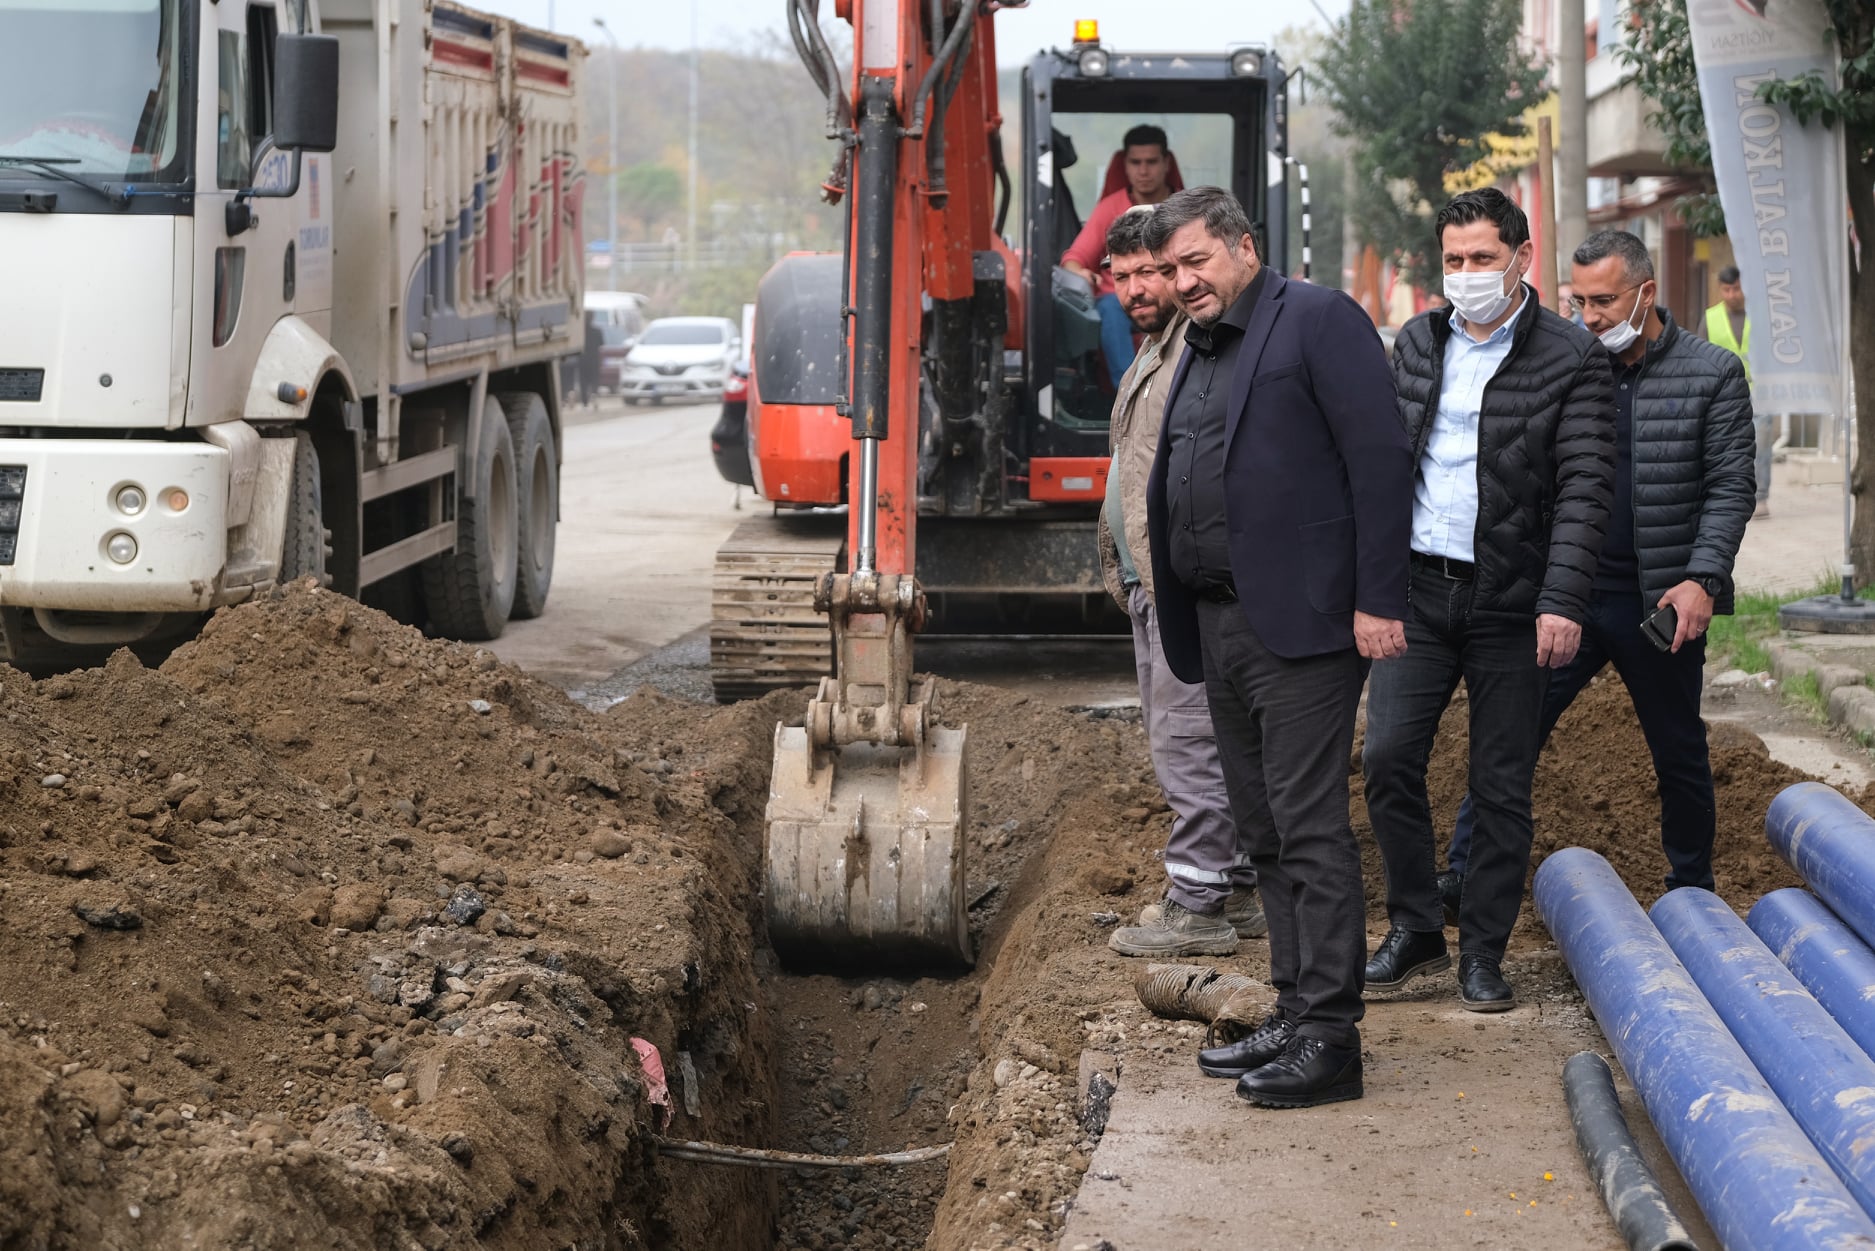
<point x="764" y="631"/>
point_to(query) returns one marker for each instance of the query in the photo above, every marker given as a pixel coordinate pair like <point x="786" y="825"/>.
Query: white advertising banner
<point x="1781" y="184"/>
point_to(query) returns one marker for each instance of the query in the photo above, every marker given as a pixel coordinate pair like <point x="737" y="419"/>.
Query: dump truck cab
<point x="268" y="297"/>
<point x="129" y="132"/>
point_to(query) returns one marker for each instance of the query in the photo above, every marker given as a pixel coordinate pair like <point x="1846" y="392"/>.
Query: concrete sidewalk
<point x="1462" y="1139"/>
<point x="1799" y="546"/>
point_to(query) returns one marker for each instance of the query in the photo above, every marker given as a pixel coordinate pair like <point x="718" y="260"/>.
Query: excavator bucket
<point x="867" y="805"/>
<point x="866" y="853"/>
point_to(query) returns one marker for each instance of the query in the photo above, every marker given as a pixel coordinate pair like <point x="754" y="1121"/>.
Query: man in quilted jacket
<point x="1510" y="411"/>
<point x="1684" y="489"/>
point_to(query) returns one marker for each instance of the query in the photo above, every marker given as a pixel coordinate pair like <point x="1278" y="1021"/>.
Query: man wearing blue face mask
<point x="1684" y="482"/>
<point x="1511" y="414"/>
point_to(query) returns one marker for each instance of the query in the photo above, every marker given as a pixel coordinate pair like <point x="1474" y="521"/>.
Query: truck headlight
<point x="130" y="500"/>
<point x="121" y="548"/>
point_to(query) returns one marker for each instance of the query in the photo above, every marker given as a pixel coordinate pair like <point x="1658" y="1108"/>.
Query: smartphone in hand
<point x="1661" y="626"/>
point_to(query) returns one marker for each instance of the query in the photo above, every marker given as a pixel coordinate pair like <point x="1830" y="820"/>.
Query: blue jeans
<point x="1116" y="336"/>
<point x="1665" y="688"/>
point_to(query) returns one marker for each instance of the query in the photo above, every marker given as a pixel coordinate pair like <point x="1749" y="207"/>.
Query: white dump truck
<point x="285" y="288"/>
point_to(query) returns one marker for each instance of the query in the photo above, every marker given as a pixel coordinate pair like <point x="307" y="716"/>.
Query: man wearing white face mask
<point x="1511" y="414"/>
<point x="1683" y="492"/>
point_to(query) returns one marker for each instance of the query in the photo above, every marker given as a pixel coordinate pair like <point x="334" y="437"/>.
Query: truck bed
<point x="457" y="193"/>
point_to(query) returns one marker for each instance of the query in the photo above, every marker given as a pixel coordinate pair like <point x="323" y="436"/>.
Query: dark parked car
<point x="729" y="438"/>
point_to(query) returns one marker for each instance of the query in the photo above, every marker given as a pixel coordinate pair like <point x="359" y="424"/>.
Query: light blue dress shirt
<point x="1445" y="496"/>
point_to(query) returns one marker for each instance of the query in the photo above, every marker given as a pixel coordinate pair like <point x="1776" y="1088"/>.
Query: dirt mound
<point x="1595" y="788"/>
<point x="329" y="934"/>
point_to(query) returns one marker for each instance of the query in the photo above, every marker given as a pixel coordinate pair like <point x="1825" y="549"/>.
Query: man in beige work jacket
<point x="1210" y="899"/>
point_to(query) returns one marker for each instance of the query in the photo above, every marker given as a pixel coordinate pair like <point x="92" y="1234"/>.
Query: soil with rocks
<point x="325" y="933"/>
<point x="328" y="934"/>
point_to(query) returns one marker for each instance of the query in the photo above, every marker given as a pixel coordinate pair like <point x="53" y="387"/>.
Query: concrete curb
<point x="1851" y="703"/>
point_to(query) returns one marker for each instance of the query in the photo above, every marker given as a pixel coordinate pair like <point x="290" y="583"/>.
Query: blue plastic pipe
<point x="1827" y="957"/>
<point x="1831" y="844"/>
<point x="1819" y="1073"/>
<point x="1759" y="1181"/>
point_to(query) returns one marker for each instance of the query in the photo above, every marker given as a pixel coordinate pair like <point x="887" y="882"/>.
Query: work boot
<point x="1481" y="986"/>
<point x="1178" y="931"/>
<point x="1243" y="910"/>
<point x="1405" y="954"/>
<point x="1451" y="890"/>
<point x="1310" y="1072"/>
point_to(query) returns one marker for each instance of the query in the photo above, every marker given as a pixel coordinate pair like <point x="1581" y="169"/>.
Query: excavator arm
<point x="867" y="817"/>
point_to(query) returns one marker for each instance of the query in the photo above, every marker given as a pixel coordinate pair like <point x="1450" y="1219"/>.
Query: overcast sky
<point x="1131" y="25"/>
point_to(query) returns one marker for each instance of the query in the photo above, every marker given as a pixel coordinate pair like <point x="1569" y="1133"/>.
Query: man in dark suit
<point x="1278" y="510"/>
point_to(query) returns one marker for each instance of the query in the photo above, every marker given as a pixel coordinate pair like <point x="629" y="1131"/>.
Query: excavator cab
<point x="1225" y="115"/>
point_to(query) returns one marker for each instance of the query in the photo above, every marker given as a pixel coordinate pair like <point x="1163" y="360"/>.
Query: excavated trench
<point x="327" y="933"/>
<point x="885" y="1063"/>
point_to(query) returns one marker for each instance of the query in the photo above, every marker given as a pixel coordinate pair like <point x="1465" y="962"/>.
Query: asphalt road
<point x="642" y="512"/>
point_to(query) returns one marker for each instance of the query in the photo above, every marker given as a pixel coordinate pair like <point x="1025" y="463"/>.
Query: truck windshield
<point x="95" y="87"/>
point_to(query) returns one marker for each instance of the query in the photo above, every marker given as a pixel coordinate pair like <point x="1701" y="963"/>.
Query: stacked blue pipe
<point x="1831" y="844"/>
<point x="1821" y="1075"/>
<point x="1831" y="961"/>
<point x="1757" y="1176"/>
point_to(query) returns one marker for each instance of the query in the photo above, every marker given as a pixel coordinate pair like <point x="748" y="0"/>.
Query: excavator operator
<point x="1151" y="174"/>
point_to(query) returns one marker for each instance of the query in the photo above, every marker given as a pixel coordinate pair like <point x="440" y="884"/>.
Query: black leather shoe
<point x="1310" y="1072"/>
<point x="1481" y="987"/>
<point x="1405" y="954"/>
<point x="1265" y="1043"/>
<point x="1451" y="890"/>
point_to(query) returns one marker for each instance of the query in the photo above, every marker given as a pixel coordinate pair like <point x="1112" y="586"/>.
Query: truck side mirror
<point x="306" y="92"/>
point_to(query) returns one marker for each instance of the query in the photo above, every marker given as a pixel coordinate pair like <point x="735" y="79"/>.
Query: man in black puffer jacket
<point x="1511" y="414"/>
<point x="1683" y="493"/>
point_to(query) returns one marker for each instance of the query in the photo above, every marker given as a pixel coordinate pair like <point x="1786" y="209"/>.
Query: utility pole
<point x="690" y="235"/>
<point x="611" y="159"/>
<point x="1572" y="148"/>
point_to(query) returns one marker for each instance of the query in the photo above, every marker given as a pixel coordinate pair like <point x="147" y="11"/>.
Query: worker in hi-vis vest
<point x="1729" y="328"/>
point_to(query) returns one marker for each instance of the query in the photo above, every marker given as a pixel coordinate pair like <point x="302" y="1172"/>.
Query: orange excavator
<point x="927" y="414"/>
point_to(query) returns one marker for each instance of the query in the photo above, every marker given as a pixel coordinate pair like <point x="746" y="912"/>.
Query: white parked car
<point x="681" y="357"/>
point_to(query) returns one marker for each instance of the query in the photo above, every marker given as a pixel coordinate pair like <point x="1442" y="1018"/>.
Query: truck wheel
<point x="537" y="478"/>
<point x="470" y="591"/>
<point x="307" y="544"/>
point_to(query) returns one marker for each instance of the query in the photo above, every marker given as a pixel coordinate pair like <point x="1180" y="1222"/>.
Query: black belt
<point x="1445" y="566"/>
<point x="1217" y="592"/>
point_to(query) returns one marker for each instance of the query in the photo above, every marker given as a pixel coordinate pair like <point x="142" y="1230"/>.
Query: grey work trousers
<point x="1203" y="858"/>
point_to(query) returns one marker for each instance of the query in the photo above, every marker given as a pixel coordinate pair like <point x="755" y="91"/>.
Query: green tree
<point x="650" y="192"/>
<point x="1670" y="81"/>
<point x="1418" y="85"/>
<point x="1852" y="105"/>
